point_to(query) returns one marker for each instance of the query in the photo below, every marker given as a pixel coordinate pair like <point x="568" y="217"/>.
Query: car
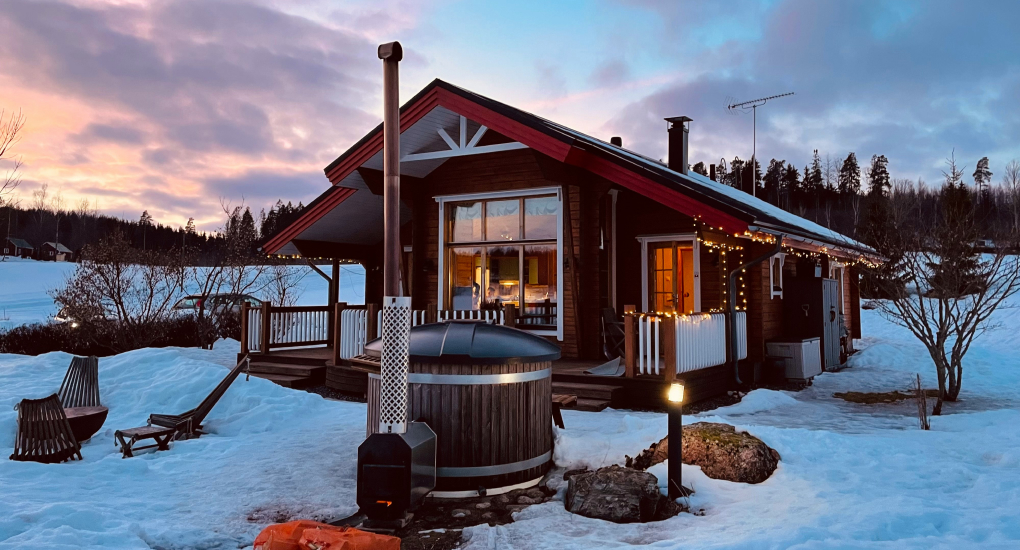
<point x="215" y="303"/>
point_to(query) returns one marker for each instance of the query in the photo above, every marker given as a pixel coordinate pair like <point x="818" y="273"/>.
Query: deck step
<point x="310" y="371"/>
<point x="300" y="357"/>
<point x="590" y="405"/>
<point x="347" y="380"/>
<point x="604" y="392"/>
<point x="285" y="380"/>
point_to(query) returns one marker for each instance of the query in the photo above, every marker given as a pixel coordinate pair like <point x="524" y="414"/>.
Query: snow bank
<point x="269" y="449"/>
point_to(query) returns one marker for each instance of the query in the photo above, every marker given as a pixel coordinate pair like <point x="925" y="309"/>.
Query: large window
<point x="503" y="250"/>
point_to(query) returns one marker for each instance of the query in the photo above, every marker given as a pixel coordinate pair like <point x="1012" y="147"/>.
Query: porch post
<point x="668" y="328"/>
<point x="629" y="341"/>
<point x="244" y="327"/>
<point x="371" y="322"/>
<point x="334" y="296"/>
<point x="510" y="315"/>
<point x="266" y="310"/>
<point x="432" y="313"/>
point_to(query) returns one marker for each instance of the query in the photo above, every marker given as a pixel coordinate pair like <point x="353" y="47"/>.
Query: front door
<point x="671" y="277"/>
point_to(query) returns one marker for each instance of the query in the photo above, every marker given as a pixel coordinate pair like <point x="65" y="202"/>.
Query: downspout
<point x="731" y="324"/>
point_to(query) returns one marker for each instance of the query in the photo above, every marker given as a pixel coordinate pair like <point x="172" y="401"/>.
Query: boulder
<point x="617" y="494"/>
<point x="721" y="451"/>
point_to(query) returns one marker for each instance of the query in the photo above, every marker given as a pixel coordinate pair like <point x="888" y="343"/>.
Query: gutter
<point x="731" y="319"/>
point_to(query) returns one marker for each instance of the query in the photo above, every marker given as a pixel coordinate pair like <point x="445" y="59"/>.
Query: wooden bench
<point x="560" y="401"/>
<point x="159" y="434"/>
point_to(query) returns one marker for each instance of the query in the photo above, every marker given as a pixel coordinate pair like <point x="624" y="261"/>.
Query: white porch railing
<point x="354" y="325"/>
<point x="285" y="327"/>
<point x="699" y="341"/>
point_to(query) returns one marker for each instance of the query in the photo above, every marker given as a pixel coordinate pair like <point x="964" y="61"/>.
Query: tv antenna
<point x="753" y="106"/>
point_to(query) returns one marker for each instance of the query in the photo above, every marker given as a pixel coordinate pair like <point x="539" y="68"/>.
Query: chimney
<point x="678" y="136"/>
<point x="616" y="140"/>
<point x="711" y="172"/>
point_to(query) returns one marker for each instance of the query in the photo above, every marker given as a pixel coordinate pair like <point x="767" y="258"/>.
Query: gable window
<point x="503" y="249"/>
<point x="776" y="275"/>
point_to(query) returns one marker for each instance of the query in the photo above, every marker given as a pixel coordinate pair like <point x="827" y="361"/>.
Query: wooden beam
<point x="465" y="151"/>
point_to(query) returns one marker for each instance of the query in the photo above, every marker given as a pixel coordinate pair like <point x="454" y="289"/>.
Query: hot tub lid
<point x="474" y="342"/>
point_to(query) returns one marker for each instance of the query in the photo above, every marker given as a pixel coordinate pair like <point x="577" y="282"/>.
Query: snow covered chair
<point x="166" y="427"/>
<point x="79" y="394"/>
<point x="44" y="434"/>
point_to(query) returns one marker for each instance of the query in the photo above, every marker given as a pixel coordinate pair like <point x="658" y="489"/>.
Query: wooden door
<point x="671" y="277"/>
<point x="830" y="323"/>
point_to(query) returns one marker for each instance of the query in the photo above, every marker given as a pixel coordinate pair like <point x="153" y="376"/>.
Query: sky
<point x="182" y="107"/>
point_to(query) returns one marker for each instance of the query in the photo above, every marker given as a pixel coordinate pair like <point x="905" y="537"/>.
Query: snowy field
<point x="25" y="287"/>
<point x="851" y="476"/>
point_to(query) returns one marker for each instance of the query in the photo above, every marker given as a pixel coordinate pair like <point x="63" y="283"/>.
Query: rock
<point x="524" y="499"/>
<point x="483" y="505"/>
<point x="502" y="499"/>
<point x="720" y="450"/>
<point x="460" y="513"/>
<point x="488" y="515"/>
<point x="614" y="493"/>
<point x="535" y="493"/>
<point x="516" y="507"/>
<point x="571" y="473"/>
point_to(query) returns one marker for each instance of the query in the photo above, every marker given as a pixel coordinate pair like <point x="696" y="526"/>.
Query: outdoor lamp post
<point x="675" y="407"/>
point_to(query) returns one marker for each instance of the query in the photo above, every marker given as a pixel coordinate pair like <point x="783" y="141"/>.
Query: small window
<point x="776" y="275"/>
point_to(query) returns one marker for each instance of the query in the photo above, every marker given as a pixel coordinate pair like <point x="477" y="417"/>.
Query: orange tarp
<point x="312" y="535"/>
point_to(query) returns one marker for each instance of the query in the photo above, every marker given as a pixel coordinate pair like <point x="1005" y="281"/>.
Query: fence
<point x="694" y="341"/>
<point x="271" y="327"/>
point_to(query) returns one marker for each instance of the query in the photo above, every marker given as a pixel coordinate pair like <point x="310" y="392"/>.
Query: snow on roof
<point x="20" y="243"/>
<point x="59" y="247"/>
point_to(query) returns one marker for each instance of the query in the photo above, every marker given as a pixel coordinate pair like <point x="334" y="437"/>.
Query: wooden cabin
<point x="55" y="252"/>
<point x="503" y="210"/>
<point x="18" y="247"/>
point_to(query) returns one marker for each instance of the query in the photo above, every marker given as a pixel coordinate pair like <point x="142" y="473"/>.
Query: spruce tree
<point x="878" y="175"/>
<point x="774" y="181"/>
<point x="791" y="185"/>
<point x="850" y="176"/>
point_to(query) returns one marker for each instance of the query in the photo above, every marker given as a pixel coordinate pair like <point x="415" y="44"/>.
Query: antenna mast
<point x="753" y="106"/>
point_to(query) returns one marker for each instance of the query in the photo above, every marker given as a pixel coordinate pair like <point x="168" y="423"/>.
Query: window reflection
<point x="503" y="220"/>
<point x="540" y="217"/>
<point x="465" y="222"/>
<point x="539" y="285"/>
<point x="465" y="276"/>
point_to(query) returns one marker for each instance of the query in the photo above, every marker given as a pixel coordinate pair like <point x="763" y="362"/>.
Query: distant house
<point x="18" y="247"/>
<point x="55" y="252"/>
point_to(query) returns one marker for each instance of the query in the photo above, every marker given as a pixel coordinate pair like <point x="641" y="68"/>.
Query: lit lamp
<point x="675" y="407"/>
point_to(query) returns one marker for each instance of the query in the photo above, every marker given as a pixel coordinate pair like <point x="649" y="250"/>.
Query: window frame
<point x="772" y="280"/>
<point x="677" y="237"/>
<point x="840" y="267"/>
<point x="443" y="246"/>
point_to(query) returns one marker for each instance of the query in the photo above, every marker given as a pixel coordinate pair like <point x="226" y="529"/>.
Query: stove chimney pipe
<point x="678" y="134"/>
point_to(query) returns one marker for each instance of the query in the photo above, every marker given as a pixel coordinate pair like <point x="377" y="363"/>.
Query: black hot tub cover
<point x="473" y="342"/>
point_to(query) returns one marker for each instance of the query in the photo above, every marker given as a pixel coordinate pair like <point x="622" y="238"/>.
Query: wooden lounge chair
<point x="163" y="428"/>
<point x="44" y="435"/>
<point x="613" y="334"/>
<point x="79" y="395"/>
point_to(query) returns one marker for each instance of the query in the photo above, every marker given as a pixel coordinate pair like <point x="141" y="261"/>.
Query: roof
<point x="714" y="203"/>
<point x="20" y="243"/>
<point x="59" y="247"/>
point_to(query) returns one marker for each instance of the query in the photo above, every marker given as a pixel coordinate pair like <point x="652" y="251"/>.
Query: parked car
<point x="215" y="303"/>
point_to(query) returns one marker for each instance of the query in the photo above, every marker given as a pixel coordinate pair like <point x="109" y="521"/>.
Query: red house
<point x="504" y="212"/>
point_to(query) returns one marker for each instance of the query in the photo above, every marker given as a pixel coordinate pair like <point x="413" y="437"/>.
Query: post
<point x="244" y="327"/>
<point x="629" y="341"/>
<point x="432" y="313"/>
<point x="510" y="315"/>
<point x="338" y="331"/>
<point x="668" y="329"/>
<point x="266" y="309"/>
<point x="674" y="468"/>
<point x="334" y="297"/>
<point x="371" y="322"/>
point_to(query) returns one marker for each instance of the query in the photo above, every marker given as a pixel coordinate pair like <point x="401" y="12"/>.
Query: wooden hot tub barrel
<point x="486" y="391"/>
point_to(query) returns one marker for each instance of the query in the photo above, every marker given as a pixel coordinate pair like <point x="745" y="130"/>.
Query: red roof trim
<point x="545" y="144"/>
<point x="311" y="215"/>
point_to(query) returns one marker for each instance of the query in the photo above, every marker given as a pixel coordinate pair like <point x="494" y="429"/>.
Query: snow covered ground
<point x="851" y="476"/>
<point x="25" y="287"/>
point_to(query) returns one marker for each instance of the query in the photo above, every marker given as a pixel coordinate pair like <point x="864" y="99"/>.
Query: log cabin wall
<point x="513" y="170"/>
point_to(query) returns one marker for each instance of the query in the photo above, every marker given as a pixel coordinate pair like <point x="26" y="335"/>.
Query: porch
<point x="306" y="346"/>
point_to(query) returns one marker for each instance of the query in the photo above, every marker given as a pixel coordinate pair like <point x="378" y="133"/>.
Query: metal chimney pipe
<point x="678" y="131"/>
<point x="391" y="54"/>
<point x="711" y="172"/>
<point x="616" y="140"/>
<point x="396" y="314"/>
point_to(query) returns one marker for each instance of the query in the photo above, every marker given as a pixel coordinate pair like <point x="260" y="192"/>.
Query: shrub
<point x="43" y="338"/>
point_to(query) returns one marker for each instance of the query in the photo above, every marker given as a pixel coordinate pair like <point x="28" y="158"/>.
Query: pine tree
<point x="815" y="177"/>
<point x="878" y="175"/>
<point x="982" y="175"/>
<point x="145" y="222"/>
<point x="773" y="181"/>
<point x="190" y="227"/>
<point x="850" y="176"/>
<point x="791" y="185"/>
<point x="736" y="175"/>
<point x="700" y="168"/>
<point x="721" y="172"/>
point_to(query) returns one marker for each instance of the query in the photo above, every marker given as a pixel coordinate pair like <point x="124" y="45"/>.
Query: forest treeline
<point x="48" y="221"/>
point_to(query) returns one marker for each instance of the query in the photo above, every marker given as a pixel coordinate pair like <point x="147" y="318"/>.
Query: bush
<point x="43" y="338"/>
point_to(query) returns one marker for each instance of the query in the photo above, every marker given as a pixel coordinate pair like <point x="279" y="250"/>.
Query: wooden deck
<point x="304" y="367"/>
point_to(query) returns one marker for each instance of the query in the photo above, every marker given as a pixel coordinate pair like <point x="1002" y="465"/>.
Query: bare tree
<point x="938" y="286"/>
<point x="118" y="295"/>
<point x="40" y="197"/>
<point x="1011" y="181"/>
<point x="11" y="127"/>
